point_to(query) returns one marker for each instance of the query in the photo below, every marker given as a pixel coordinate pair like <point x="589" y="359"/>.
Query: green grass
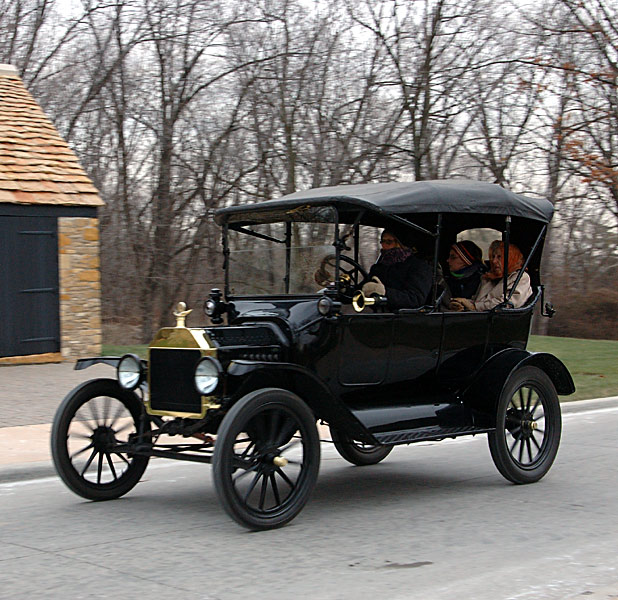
<point x="593" y="363"/>
<point x="109" y="350"/>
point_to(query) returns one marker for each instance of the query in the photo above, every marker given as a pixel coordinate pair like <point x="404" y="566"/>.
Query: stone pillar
<point x="80" y="287"/>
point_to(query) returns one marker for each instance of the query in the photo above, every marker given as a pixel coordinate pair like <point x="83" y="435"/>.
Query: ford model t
<point x="293" y="342"/>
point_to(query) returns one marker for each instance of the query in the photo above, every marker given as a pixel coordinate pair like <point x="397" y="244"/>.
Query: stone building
<point x="50" y="286"/>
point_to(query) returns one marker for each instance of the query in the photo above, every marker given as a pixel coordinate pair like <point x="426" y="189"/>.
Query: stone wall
<point x="80" y="287"/>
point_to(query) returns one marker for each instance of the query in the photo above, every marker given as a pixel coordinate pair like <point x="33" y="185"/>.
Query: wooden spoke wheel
<point x="266" y="458"/>
<point x="92" y="433"/>
<point x="358" y="453"/>
<point x="528" y="427"/>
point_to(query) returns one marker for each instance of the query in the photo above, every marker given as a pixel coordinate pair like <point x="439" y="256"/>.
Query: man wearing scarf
<point x="465" y="261"/>
<point x="399" y="275"/>
<point x="490" y="292"/>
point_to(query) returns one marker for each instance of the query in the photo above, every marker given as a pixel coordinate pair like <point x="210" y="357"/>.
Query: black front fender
<point x="84" y="363"/>
<point x="112" y="361"/>
<point x="246" y="376"/>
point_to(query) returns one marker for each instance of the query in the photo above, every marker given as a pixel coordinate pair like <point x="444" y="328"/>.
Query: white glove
<point x="374" y="286"/>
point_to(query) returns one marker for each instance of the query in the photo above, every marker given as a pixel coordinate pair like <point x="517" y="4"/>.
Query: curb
<point x="584" y="405"/>
<point x="26" y="472"/>
<point x="45" y="469"/>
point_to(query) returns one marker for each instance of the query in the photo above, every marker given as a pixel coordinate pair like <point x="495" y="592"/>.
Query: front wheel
<point x="528" y="427"/>
<point x="356" y="452"/>
<point x="92" y="434"/>
<point x="266" y="458"/>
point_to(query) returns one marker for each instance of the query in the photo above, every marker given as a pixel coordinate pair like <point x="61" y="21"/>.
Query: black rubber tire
<point x="262" y="425"/>
<point x="528" y="427"/>
<point x="102" y="412"/>
<point x="356" y="452"/>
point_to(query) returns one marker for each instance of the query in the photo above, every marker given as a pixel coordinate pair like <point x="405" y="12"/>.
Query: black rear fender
<point x="244" y="377"/>
<point x="555" y="370"/>
<point x="484" y="392"/>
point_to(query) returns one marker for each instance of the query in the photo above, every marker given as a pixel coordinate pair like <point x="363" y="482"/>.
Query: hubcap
<point x="98" y="428"/>
<point x="525" y="427"/>
<point x="103" y="438"/>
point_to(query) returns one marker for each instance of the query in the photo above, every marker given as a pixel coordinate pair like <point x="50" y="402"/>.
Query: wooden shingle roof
<point x="36" y="165"/>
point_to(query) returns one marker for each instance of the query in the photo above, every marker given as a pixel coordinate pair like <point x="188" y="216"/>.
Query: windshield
<point x="267" y="266"/>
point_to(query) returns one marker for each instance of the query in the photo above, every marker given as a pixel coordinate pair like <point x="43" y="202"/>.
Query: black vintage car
<point x="287" y="349"/>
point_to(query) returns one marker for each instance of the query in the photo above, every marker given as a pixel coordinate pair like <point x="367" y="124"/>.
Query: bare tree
<point x="589" y="31"/>
<point x="22" y="25"/>
<point x="317" y="115"/>
<point x="433" y="55"/>
<point x="505" y="103"/>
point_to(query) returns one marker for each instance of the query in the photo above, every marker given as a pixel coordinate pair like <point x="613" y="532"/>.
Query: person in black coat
<point x="465" y="261"/>
<point x="399" y="275"/>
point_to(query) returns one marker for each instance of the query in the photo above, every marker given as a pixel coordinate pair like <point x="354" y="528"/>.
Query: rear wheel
<point x="92" y="432"/>
<point x="358" y="453"/>
<point x="266" y="458"/>
<point x="528" y="427"/>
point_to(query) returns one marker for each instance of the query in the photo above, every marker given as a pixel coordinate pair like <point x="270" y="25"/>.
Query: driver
<point x="399" y="275"/>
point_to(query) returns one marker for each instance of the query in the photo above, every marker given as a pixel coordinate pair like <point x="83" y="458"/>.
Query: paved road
<point x="434" y="521"/>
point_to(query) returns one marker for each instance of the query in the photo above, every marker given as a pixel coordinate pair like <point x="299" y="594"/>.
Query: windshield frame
<point x="244" y="229"/>
<point x="339" y="244"/>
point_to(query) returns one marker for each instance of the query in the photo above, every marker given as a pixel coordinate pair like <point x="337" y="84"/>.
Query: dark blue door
<point x="29" y="302"/>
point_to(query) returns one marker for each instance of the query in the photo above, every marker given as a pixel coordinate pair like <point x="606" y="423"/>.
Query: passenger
<point x="465" y="261"/>
<point x="399" y="275"/>
<point x="490" y="292"/>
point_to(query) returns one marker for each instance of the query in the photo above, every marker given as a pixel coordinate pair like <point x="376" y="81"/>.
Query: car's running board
<point x="409" y="436"/>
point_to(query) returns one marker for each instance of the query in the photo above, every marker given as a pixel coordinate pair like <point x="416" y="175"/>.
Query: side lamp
<point x="327" y="307"/>
<point x="214" y="307"/>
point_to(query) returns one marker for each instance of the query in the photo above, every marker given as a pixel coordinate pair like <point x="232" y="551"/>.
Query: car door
<point x="366" y="340"/>
<point x="464" y="347"/>
<point x="414" y="353"/>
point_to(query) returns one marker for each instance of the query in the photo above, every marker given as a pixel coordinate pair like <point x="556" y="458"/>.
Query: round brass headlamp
<point x="207" y="374"/>
<point x="130" y="372"/>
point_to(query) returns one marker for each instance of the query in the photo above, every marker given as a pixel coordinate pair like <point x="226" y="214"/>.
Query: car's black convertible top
<point x="400" y="198"/>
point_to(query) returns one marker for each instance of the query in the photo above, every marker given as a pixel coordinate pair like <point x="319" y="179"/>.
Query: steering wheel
<point x="347" y="277"/>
